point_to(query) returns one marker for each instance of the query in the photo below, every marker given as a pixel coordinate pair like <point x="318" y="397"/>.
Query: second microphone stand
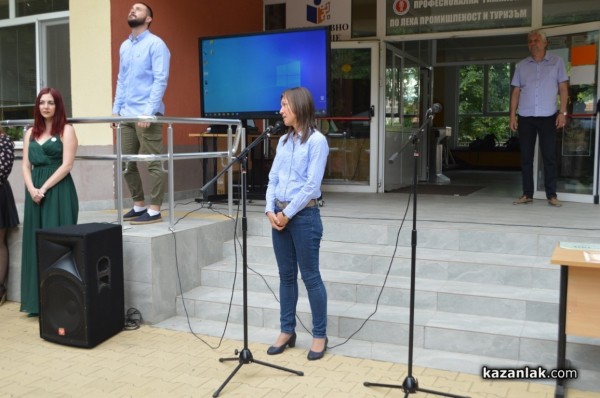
<point x="244" y="356"/>
<point x="410" y="385"/>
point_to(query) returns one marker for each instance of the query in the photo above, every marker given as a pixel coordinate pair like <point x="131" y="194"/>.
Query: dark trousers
<point x="545" y="129"/>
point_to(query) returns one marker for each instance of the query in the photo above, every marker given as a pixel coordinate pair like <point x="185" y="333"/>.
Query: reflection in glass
<point x="576" y="142"/>
<point x="571" y="12"/>
<point x="34" y="7"/>
<point x="3" y="9"/>
<point x="348" y="128"/>
<point x="18" y="77"/>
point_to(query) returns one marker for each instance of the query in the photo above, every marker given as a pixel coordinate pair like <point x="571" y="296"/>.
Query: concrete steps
<point x="469" y="298"/>
<point x="480" y="299"/>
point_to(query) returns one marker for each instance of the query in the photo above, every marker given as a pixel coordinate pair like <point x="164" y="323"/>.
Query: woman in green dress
<point x="49" y="149"/>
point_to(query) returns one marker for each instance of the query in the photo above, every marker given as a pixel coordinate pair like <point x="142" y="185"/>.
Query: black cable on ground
<point x="133" y="319"/>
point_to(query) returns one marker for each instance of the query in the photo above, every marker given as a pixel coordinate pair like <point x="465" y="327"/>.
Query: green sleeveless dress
<point x="59" y="207"/>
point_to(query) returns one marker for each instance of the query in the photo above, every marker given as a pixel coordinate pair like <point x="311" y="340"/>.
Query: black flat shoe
<point x="2" y="294"/>
<point x="314" y="355"/>
<point x="278" y="350"/>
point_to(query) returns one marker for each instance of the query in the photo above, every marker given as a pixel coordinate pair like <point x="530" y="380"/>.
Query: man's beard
<point x="134" y="23"/>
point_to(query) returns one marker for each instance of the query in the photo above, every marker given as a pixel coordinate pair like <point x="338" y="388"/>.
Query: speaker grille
<point x="64" y="312"/>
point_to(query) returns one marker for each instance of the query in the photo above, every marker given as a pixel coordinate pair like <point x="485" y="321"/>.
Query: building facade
<point x="390" y="59"/>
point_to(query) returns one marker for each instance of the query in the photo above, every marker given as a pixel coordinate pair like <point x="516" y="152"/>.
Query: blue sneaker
<point x="132" y="214"/>
<point x="146" y="219"/>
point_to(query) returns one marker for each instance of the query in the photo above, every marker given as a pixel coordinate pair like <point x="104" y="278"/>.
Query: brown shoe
<point x="522" y="200"/>
<point x="554" y="202"/>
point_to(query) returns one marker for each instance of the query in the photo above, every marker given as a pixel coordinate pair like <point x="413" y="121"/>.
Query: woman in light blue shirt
<point x="292" y="193"/>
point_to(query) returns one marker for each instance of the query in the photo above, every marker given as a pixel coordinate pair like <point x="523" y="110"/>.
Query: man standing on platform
<point x="536" y="82"/>
<point x="141" y="85"/>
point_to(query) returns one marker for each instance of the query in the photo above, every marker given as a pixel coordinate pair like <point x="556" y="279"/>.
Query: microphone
<point x="435" y="108"/>
<point x="279" y="126"/>
<point x="272" y="130"/>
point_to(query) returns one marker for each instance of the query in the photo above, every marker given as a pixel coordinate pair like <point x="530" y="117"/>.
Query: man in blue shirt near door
<point x="141" y="85"/>
<point x="536" y="82"/>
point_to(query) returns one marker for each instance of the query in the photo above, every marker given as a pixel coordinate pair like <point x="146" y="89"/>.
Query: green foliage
<point x="401" y="97"/>
<point x="15" y="132"/>
<point x="350" y="64"/>
<point x="484" y="99"/>
<point x="498" y="88"/>
<point x="410" y="94"/>
<point x="470" y="98"/>
<point x="473" y="127"/>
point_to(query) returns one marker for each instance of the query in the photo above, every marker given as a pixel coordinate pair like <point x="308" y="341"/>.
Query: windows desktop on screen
<point x="244" y="76"/>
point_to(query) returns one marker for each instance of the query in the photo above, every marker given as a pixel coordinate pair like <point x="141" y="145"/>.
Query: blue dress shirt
<point x="143" y="75"/>
<point x="297" y="172"/>
<point x="539" y="83"/>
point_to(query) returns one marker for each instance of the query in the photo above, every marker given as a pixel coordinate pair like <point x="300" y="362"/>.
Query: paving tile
<point x="152" y="362"/>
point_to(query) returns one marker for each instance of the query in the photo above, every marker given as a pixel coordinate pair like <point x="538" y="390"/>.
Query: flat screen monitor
<point x="243" y="76"/>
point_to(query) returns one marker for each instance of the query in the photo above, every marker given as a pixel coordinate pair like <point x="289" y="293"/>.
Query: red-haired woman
<point x="49" y="149"/>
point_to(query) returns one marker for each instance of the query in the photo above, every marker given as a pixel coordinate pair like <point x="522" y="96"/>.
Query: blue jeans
<point x="529" y="129"/>
<point x="297" y="247"/>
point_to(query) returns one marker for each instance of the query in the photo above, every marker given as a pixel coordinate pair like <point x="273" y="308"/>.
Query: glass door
<point x="407" y="92"/>
<point x="351" y="129"/>
<point x="577" y="142"/>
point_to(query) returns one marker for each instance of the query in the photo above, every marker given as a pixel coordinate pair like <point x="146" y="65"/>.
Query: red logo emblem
<point x="401" y="7"/>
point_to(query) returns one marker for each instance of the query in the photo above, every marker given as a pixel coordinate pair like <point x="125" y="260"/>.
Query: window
<point x="484" y="101"/>
<point x="363" y="16"/>
<point x="17" y="71"/>
<point x="56" y="70"/>
<point x="34" y="7"/>
<point x="34" y="53"/>
<point x="557" y="12"/>
<point x="4" y="9"/>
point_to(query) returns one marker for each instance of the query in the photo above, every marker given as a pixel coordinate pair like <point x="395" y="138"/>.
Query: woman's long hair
<point x="301" y="103"/>
<point x="60" y="118"/>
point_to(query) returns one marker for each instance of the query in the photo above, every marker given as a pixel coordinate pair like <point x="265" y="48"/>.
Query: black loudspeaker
<point x="81" y="283"/>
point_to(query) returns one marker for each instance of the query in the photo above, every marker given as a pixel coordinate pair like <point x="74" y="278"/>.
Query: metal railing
<point x="169" y="157"/>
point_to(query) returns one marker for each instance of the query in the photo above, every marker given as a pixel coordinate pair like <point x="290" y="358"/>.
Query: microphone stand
<point x="244" y="356"/>
<point x="597" y="195"/>
<point x="410" y="384"/>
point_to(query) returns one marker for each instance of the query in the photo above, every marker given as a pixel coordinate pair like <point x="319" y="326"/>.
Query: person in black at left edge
<point x="9" y="217"/>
